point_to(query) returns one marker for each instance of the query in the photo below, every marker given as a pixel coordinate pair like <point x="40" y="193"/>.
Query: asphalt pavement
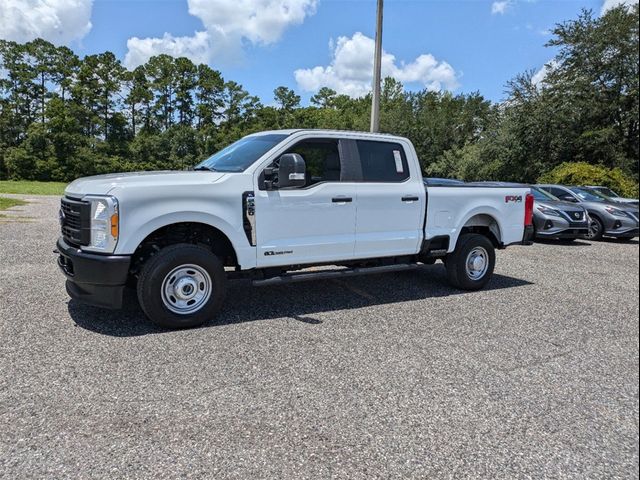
<point x="387" y="376"/>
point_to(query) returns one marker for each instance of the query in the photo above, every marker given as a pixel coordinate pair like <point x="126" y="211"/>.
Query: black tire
<point x="180" y="257"/>
<point x="596" y="229"/>
<point x="456" y="262"/>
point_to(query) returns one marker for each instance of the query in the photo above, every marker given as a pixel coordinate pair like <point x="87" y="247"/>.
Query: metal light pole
<point x="375" y="104"/>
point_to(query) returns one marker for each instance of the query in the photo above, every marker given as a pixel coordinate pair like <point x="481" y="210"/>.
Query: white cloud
<point x="197" y="48"/>
<point x="228" y="25"/>
<point x="351" y="69"/>
<point x="58" y="21"/>
<point x="609" y="4"/>
<point x="540" y="76"/>
<point x="500" y="7"/>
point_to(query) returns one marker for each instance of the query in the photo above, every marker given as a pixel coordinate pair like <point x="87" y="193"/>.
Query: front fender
<point x="135" y="234"/>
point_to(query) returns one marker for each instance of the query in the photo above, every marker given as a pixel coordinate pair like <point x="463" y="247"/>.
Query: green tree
<point x="139" y="99"/>
<point x="185" y="85"/>
<point x="286" y="98"/>
<point x="161" y="73"/>
<point x="209" y="95"/>
<point x="324" y="98"/>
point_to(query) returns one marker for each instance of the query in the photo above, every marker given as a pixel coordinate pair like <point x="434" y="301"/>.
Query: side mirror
<point x="291" y="171"/>
<point x="568" y="198"/>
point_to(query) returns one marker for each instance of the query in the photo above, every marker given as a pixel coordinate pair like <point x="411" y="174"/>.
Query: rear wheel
<point x="470" y="266"/>
<point x="596" y="229"/>
<point x="182" y="286"/>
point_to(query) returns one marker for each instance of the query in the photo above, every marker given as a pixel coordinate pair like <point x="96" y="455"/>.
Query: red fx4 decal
<point x="513" y="198"/>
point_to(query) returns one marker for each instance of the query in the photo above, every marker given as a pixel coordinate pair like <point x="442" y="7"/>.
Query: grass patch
<point x="32" y="188"/>
<point x="10" y="202"/>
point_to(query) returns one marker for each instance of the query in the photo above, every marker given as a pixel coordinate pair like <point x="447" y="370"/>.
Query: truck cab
<point x="267" y="207"/>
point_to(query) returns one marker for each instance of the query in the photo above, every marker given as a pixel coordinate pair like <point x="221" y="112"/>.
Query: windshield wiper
<point x="204" y="167"/>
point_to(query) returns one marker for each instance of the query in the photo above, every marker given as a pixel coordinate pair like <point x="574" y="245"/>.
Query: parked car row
<point x="568" y="213"/>
<point x="607" y="218"/>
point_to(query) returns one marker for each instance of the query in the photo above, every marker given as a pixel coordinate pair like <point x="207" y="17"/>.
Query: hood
<point x="105" y="184"/>
<point x="602" y="205"/>
<point x="560" y="205"/>
<point x="632" y="201"/>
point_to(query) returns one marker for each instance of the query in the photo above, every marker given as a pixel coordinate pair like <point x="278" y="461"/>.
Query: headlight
<point x="549" y="211"/>
<point x="104" y="224"/>
<point x="615" y="212"/>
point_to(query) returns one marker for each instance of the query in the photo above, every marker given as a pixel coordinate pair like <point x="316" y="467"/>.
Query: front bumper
<point x="620" y="227"/>
<point x="555" y="227"/>
<point x="563" y="234"/>
<point x="626" y="233"/>
<point x="93" y="278"/>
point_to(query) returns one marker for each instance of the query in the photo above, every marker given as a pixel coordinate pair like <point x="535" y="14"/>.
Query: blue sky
<point x="459" y="45"/>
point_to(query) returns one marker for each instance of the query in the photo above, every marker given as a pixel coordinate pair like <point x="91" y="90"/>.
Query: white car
<point x="268" y="206"/>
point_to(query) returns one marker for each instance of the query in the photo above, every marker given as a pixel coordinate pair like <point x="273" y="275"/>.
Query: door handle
<point x="410" y="198"/>
<point x="341" y="199"/>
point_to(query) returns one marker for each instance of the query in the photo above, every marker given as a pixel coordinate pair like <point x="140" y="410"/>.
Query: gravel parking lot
<point x="385" y="376"/>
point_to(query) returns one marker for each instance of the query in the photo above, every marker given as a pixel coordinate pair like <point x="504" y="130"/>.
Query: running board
<point x="328" y="274"/>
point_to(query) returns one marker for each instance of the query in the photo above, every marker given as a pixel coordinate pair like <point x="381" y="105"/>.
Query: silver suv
<point x="558" y="220"/>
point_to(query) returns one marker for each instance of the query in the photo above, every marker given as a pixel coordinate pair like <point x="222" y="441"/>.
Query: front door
<point x="311" y="224"/>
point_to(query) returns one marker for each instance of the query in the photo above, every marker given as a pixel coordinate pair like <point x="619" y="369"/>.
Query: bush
<point x="20" y="164"/>
<point x="581" y="173"/>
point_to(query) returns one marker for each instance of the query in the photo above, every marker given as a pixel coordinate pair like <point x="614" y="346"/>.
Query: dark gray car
<point x="558" y="220"/>
<point x="608" y="219"/>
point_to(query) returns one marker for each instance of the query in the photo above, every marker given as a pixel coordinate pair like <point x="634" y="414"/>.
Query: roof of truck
<point x="291" y="131"/>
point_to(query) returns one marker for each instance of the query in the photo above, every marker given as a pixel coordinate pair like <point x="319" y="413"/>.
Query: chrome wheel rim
<point x="594" y="229"/>
<point x="477" y="263"/>
<point x="186" y="289"/>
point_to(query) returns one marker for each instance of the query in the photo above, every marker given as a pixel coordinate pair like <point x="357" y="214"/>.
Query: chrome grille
<point x="575" y="216"/>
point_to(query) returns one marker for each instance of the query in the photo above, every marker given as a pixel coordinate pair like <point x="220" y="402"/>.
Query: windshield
<point x="606" y="191"/>
<point x="598" y="193"/>
<point x="586" y="195"/>
<point x="238" y="156"/>
<point x="542" y="195"/>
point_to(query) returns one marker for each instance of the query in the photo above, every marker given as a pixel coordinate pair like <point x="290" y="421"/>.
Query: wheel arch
<point x="484" y="224"/>
<point x="192" y="232"/>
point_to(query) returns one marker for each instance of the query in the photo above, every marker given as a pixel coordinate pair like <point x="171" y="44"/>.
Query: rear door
<point x="391" y="201"/>
<point x="311" y="224"/>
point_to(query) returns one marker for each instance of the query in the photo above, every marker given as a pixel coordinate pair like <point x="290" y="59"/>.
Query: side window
<point x="322" y="159"/>
<point x="557" y="192"/>
<point x="382" y="161"/>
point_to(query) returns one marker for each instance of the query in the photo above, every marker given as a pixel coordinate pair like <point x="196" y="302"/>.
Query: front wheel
<point x="596" y="229"/>
<point x="182" y="286"/>
<point x="471" y="264"/>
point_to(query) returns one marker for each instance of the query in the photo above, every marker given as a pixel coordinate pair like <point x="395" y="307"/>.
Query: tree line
<point x="62" y="116"/>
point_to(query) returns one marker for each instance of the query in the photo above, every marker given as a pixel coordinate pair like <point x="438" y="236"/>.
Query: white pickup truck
<point x="268" y="207"/>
